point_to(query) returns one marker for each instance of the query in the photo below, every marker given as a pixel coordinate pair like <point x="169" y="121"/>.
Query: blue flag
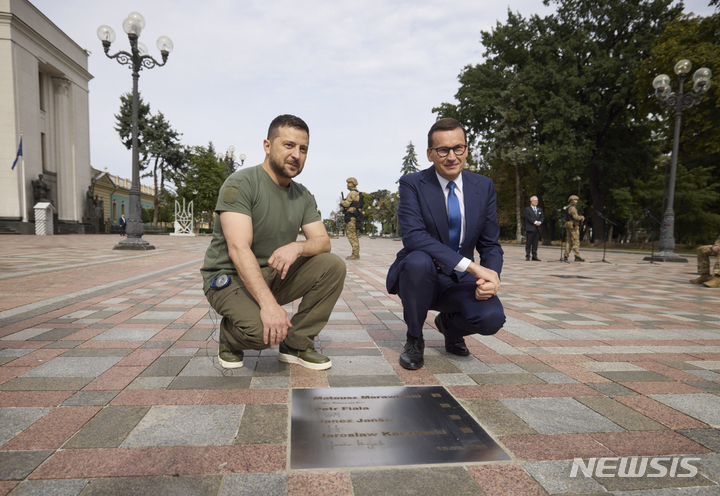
<point x="19" y="154"/>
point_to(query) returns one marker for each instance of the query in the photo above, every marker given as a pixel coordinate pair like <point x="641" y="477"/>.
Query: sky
<point x="363" y="74"/>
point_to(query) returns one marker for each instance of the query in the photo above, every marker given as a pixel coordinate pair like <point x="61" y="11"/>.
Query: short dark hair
<point x="445" y="124"/>
<point x="286" y="120"/>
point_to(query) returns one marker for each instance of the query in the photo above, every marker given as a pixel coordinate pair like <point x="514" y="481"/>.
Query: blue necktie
<point x="454" y="217"/>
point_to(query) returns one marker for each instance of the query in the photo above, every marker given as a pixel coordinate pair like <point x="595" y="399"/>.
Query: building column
<point x="64" y="201"/>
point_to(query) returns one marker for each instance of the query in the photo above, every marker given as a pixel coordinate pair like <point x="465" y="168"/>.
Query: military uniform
<point x="573" y="230"/>
<point x="352" y="207"/>
<point x="703" y="263"/>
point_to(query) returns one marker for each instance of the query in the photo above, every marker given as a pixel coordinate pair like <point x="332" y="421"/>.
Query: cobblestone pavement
<point x="109" y="383"/>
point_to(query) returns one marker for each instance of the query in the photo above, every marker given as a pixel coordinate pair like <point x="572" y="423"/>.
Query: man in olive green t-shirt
<point x="254" y="264"/>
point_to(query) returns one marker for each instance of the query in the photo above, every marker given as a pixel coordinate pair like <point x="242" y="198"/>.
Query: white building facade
<point x="43" y="95"/>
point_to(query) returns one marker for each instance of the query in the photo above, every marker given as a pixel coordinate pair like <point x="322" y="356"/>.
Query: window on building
<point x="41" y="89"/>
<point x="122" y="208"/>
<point x="42" y="150"/>
<point x="114" y="211"/>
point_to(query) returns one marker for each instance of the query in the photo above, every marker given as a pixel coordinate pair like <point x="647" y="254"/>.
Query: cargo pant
<point x="573" y="239"/>
<point x="317" y="280"/>
<point x="351" y="230"/>
<point x="703" y="260"/>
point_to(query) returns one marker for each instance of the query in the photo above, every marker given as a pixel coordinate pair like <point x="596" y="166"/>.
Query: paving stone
<point x="46" y="384"/>
<point x="428" y="481"/>
<point x="121" y="334"/>
<point x="263" y="424"/>
<point x="90" y="398"/>
<point x="150" y="383"/>
<point x="554" y="477"/>
<point x="157" y="344"/>
<point x="673" y="491"/>
<point x="63" y="345"/>
<point x="186" y="485"/>
<point x="53" y="335"/>
<point x="183" y="351"/>
<point x="351" y="352"/>
<point x="645" y="376"/>
<point x="707" y="386"/>
<point x="555" y="378"/>
<point x="537" y="367"/>
<point x="16" y="465"/>
<point x="621" y="484"/>
<point x="359" y="365"/>
<point x="194" y="382"/>
<point x="97" y="352"/>
<point x="612" y="367"/>
<point x="271" y="382"/>
<point x="73" y="367"/>
<point x="197" y="425"/>
<point x="364" y="381"/>
<point x="496" y="418"/>
<point x="611" y="389"/>
<point x="506" y="378"/>
<point x="254" y="484"/>
<point x="14" y="352"/>
<point x="69" y="487"/>
<point x="438" y="364"/>
<point x="15" y="420"/>
<point x="344" y="335"/>
<point x="559" y="416"/>
<point x="704" y="407"/>
<point x="166" y="367"/>
<point x="454" y="380"/>
<point x="710" y="467"/>
<point x="469" y="364"/>
<point x="620" y="414"/>
<point x="197" y="335"/>
<point x="710" y="438"/>
<point x="109" y="428"/>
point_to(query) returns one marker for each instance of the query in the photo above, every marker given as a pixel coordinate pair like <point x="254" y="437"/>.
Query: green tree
<point x="123" y="122"/>
<point x="578" y="67"/>
<point x="201" y="180"/>
<point x="410" y="162"/>
<point x="164" y="152"/>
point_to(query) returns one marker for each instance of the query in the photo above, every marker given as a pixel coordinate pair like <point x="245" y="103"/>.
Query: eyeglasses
<point x="444" y="151"/>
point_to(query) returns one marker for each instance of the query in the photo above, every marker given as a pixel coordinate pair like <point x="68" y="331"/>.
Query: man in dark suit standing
<point x="446" y="213"/>
<point x="123" y="223"/>
<point x="533" y="220"/>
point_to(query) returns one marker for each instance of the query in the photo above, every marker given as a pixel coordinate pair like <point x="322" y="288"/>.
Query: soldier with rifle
<point x="572" y="223"/>
<point x="352" y="205"/>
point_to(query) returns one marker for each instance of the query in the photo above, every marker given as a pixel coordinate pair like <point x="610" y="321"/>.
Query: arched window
<point x="114" y="211"/>
<point x="122" y="208"/>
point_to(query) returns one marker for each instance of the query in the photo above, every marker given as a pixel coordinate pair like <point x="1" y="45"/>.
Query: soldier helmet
<point x="352" y="180"/>
<point x="573" y="197"/>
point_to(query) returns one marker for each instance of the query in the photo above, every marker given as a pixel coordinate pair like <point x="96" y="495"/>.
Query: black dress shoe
<point x="536" y="259"/>
<point x="455" y="346"/>
<point x="412" y="356"/>
<point x="527" y="258"/>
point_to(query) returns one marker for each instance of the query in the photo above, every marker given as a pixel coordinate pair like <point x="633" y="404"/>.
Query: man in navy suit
<point x="446" y="213"/>
<point x="533" y="220"/>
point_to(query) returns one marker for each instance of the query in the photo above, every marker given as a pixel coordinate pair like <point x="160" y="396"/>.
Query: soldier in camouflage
<point x="352" y="207"/>
<point x="572" y="221"/>
<point x="703" y="263"/>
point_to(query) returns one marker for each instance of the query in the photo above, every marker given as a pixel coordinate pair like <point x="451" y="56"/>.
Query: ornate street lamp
<point x="678" y="101"/>
<point x="138" y="59"/>
<point x="229" y="159"/>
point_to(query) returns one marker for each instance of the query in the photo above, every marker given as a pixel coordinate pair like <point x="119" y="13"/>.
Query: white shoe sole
<point x="230" y="365"/>
<point x="299" y="361"/>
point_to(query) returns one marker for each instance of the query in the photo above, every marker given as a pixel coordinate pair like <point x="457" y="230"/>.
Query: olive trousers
<point x="317" y="280"/>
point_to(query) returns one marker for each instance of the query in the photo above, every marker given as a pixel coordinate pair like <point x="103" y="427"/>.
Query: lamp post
<point x="677" y="101"/>
<point x="229" y="159"/>
<point x="137" y="60"/>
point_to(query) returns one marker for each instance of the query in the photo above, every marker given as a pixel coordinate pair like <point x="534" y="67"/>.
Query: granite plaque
<point x="377" y="427"/>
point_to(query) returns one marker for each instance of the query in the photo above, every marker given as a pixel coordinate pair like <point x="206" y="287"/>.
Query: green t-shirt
<point x="277" y="215"/>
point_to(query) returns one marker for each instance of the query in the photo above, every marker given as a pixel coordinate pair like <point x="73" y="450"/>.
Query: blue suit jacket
<point x="423" y="221"/>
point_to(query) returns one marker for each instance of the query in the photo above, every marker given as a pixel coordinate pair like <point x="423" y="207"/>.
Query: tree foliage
<point x="201" y="180"/>
<point x="410" y="162"/>
<point x="576" y="70"/>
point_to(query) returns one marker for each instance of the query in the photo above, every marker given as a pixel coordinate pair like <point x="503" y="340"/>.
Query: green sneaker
<point x="228" y="358"/>
<point x="309" y="358"/>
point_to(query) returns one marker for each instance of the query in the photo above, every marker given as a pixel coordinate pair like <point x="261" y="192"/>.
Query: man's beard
<point x="280" y="170"/>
